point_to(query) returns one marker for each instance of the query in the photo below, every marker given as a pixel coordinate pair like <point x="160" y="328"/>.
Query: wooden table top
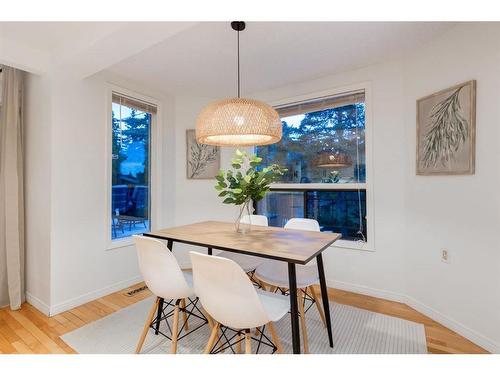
<point x="294" y="246"/>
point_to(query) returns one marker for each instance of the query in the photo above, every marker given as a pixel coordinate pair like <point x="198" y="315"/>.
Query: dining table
<point x="295" y="247"/>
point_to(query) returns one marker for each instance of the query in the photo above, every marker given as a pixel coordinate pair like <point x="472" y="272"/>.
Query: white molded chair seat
<point x="247" y="262"/>
<point x="275" y="308"/>
<point x="228" y="295"/>
<point x="160" y="269"/>
<point x="275" y="273"/>
<point x="165" y="280"/>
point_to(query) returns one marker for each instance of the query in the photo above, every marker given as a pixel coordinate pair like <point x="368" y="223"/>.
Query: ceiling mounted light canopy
<point x="333" y="159"/>
<point x="238" y="121"/>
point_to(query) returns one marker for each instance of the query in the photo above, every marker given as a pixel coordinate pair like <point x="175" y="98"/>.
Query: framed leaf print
<point x="203" y="161"/>
<point x="446" y="127"/>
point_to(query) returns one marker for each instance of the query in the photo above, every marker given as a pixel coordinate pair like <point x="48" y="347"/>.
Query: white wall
<point x="416" y="216"/>
<point x="459" y="213"/>
<point x="37" y="190"/>
<point x="67" y="206"/>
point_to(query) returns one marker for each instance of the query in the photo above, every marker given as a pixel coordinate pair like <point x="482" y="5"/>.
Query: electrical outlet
<point x="445" y="256"/>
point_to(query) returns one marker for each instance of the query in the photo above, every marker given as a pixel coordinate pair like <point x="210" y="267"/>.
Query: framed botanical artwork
<point x="203" y="161"/>
<point x="446" y="127"/>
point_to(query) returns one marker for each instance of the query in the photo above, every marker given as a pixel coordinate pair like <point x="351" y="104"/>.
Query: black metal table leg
<point x="209" y="250"/>
<point x="170" y="244"/>
<point x="294" y="310"/>
<point x="324" y="297"/>
<point x="158" y="315"/>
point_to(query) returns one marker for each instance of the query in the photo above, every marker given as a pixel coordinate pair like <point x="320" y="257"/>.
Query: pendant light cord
<point x="238" y="62"/>
<point x="238" y="26"/>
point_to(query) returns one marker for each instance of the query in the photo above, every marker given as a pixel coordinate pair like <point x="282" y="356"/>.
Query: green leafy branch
<point x="237" y="187"/>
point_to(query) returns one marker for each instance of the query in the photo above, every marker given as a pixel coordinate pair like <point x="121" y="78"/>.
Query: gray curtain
<point x="11" y="189"/>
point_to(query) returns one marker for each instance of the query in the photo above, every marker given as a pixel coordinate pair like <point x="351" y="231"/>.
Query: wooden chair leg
<point x="248" y="342"/>
<point x="318" y="305"/>
<point x="184" y="314"/>
<point x="212" y="338"/>
<point x="209" y="318"/>
<point x="238" y="344"/>
<point x="175" y="329"/>
<point x="300" y="297"/>
<point x="147" y="325"/>
<point x="211" y="324"/>
<point x="276" y="339"/>
<point x="257" y="331"/>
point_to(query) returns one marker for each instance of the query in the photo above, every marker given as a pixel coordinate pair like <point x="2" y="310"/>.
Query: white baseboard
<point x="37" y="303"/>
<point x="361" y="289"/>
<point x="470" y="334"/>
<point x="87" y="297"/>
<point x="455" y="326"/>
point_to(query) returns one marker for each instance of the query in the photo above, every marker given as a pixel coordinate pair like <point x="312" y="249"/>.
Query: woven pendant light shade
<point x="238" y="122"/>
<point x="333" y="159"/>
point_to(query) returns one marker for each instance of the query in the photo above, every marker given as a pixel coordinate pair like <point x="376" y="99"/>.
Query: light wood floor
<point x="29" y="331"/>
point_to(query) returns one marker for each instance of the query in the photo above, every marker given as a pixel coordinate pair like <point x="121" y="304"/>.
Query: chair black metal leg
<point x="294" y="310"/>
<point x="158" y="315"/>
<point x="324" y="297"/>
<point x="209" y="250"/>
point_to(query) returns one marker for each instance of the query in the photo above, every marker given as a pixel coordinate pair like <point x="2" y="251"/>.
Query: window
<point x="131" y="166"/>
<point x="323" y="148"/>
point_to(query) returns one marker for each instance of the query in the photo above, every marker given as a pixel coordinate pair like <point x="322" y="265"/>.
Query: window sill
<point x="125" y="242"/>
<point x="353" y="245"/>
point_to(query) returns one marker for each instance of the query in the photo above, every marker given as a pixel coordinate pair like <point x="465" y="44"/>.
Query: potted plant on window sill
<point x="242" y="189"/>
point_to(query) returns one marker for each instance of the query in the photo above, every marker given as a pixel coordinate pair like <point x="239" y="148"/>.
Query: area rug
<point x="355" y="331"/>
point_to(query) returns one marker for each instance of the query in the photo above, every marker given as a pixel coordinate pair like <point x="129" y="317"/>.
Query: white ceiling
<point x="201" y="60"/>
<point x="78" y="48"/>
<point x="56" y="37"/>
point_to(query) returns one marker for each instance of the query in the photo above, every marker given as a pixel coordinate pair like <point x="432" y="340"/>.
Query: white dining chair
<point x="274" y="274"/>
<point x="248" y="262"/>
<point x="165" y="279"/>
<point x="229" y="297"/>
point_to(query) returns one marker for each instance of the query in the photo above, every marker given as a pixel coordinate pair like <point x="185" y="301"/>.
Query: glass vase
<point x="244" y="210"/>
